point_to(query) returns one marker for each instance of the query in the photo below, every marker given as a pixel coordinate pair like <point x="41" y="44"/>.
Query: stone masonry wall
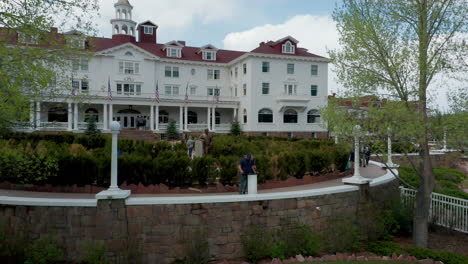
<point x="161" y="233"/>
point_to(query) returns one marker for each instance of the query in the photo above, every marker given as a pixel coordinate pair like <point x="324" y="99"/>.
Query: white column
<point x="186" y="119"/>
<point x="31" y="115"/>
<point x="152" y="117"/>
<point x="70" y="117"/>
<point x="181" y="121"/>
<point x="75" y="117"/>
<point x="208" y="118"/>
<point x="357" y="172"/>
<point x="104" y="120"/>
<point x="38" y="115"/>
<point x="233" y="114"/>
<point x="445" y="138"/>
<point x="213" y="118"/>
<point x="157" y="117"/>
<point x="357" y="179"/>
<point x="389" y="151"/>
<point x="336" y="139"/>
<point x="111" y="113"/>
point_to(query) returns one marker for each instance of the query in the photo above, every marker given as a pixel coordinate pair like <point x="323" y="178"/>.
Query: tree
<point x="235" y="128"/>
<point x="35" y="60"/>
<point x="91" y="128"/>
<point x="395" y="48"/>
<point x="171" y="132"/>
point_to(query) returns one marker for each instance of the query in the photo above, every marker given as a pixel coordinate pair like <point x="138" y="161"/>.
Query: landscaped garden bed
<point x="80" y="163"/>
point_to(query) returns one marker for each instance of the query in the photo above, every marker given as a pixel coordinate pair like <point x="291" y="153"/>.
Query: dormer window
<point x="148" y="30"/>
<point x="174" y="52"/>
<point x="288" y="47"/>
<point x="209" y="55"/>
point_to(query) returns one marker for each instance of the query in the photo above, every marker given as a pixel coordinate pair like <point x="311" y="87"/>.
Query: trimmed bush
<point x="228" y="171"/>
<point x="203" y="169"/>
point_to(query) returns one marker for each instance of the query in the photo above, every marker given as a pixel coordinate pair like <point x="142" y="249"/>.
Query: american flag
<point x="109" y="90"/>
<point x="186" y="94"/>
<point x="156" y="93"/>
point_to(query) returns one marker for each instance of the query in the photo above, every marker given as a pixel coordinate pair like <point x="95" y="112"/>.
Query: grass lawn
<point x="366" y="262"/>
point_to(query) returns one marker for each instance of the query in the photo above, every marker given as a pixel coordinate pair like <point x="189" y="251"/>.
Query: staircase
<point x="145" y="135"/>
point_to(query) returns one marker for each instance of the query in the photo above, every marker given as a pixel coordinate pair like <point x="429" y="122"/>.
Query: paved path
<point x="371" y="171"/>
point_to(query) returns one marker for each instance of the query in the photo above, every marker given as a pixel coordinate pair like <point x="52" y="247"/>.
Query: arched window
<point x="163" y="117"/>
<point x="192" y="117"/>
<point x="245" y="116"/>
<point x="119" y="14"/>
<point x="128" y="53"/>
<point x="124" y="30"/>
<point x="116" y="29"/>
<point x="91" y="113"/>
<point x="265" y="116"/>
<point x="288" y="47"/>
<point x="132" y="31"/>
<point x="290" y="116"/>
<point x="313" y="116"/>
<point x="124" y="14"/>
<point x="57" y="114"/>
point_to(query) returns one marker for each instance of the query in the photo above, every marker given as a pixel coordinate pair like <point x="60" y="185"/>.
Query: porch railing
<point x="446" y="211"/>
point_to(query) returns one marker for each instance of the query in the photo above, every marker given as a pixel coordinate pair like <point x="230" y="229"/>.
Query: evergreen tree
<point x="235" y="128"/>
<point x="171" y="132"/>
<point x="91" y="128"/>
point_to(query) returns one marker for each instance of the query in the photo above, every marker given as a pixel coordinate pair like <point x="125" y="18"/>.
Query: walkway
<point x="371" y="171"/>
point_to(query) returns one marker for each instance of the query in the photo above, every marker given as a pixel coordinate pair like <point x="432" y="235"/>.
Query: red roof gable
<point x="271" y="48"/>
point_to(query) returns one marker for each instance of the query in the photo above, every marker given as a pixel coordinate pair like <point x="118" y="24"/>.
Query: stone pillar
<point x="38" y="115"/>
<point x="213" y="119"/>
<point x="208" y="110"/>
<point x="70" y="117"/>
<point x="152" y="117"/>
<point x="104" y="120"/>
<point x="186" y="119"/>
<point x="157" y="117"/>
<point x="32" y="107"/>
<point x="75" y="117"/>
<point x="181" y="121"/>
<point x="357" y="179"/>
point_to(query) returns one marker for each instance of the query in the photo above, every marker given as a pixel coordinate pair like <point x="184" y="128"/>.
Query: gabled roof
<point x="173" y="43"/>
<point x="284" y="39"/>
<point x="148" y="22"/>
<point x="207" y="47"/>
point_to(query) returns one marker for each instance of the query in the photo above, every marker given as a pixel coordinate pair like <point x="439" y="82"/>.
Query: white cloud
<point x="315" y="33"/>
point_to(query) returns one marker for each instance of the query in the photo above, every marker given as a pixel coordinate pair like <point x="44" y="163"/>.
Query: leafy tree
<point x="236" y="128"/>
<point x="91" y="128"/>
<point x="28" y="73"/>
<point x="395" y="48"/>
<point x="171" y="132"/>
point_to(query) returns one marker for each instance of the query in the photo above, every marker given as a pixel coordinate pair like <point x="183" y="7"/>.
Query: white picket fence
<point x="446" y="211"/>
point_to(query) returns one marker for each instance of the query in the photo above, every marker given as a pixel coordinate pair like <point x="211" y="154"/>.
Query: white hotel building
<point x="275" y="89"/>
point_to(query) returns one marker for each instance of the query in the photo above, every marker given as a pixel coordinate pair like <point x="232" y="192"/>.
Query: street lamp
<point x="357" y="178"/>
<point x="114" y="192"/>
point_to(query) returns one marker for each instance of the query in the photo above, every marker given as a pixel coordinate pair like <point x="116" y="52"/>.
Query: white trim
<point x="147" y="21"/>
<point x="28" y="201"/>
<point x="388" y="177"/>
<point x="107" y="52"/>
<point x="285" y="38"/>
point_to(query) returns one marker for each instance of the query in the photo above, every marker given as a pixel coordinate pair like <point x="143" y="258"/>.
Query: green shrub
<point x="292" y="164"/>
<point x="318" y="161"/>
<point x="264" y="168"/>
<point x="385" y="248"/>
<point x="236" y="129"/>
<point x="341" y="235"/>
<point x="95" y="253"/>
<point x="444" y="256"/>
<point x="299" y="239"/>
<point x="172" y="168"/>
<point x="137" y="169"/>
<point x="255" y="243"/>
<point x="44" y="250"/>
<point x="197" y="250"/>
<point x="203" y="169"/>
<point x="172" y="133"/>
<point x="27" y="168"/>
<point x="228" y="172"/>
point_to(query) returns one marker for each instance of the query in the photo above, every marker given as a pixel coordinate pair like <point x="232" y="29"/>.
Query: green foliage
<point x="228" y="171"/>
<point x="171" y="132"/>
<point x="236" y="128"/>
<point x="13" y="243"/>
<point x="385" y="248"/>
<point x="91" y="128"/>
<point x="197" y="250"/>
<point x="203" y="169"/>
<point x="299" y="239"/>
<point x="255" y="243"/>
<point x="342" y="235"/>
<point x="172" y="167"/>
<point x="95" y="253"/>
<point x="44" y="250"/>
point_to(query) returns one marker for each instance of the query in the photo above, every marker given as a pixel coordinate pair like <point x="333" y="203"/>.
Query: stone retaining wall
<point x="160" y="233"/>
<point x="439" y="160"/>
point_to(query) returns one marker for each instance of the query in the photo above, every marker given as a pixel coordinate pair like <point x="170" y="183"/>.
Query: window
<point x="314" y="70"/>
<point x="265" y="88"/>
<point x="129" y="89"/>
<point x="27" y="39"/>
<point x="84" y="64"/>
<point x="148" y="30"/>
<point x="84" y="86"/>
<point x="192" y="117"/>
<point x="193" y="90"/>
<point x="235" y="90"/>
<point x="288" y="47"/>
<point x="313" y="90"/>
<point x="91" y="113"/>
<point x="80" y="64"/>
<point x="265" y="116"/>
<point x="290" y="69"/>
<point x="217" y="118"/>
<point x="57" y="114"/>
<point x="244" y="68"/>
<point x="313" y="116"/>
<point x="174" y="52"/>
<point x="244" y="89"/>
<point x="213" y="74"/>
<point x="245" y="116"/>
<point x="290" y="89"/>
<point x="235" y="71"/>
<point x="128" y="53"/>
<point x="209" y="55"/>
<point x="265" y="66"/>
<point x="127" y="67"/>
<point x="290" y="116"/>
<point x="171" y="71"/>
<point x="163" y="117"/>
<point x="171" y="90"/>
<point x="213" y="91"/>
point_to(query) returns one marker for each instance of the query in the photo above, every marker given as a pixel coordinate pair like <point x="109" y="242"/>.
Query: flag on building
<point x="156" y="93"/>
<point x="186" y="94"/>
<point x="109" y="90"/>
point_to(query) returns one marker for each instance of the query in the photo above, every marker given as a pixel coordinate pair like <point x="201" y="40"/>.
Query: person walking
<point x="367" y="154"/>
<point x="246" y="166"/>
<point x="190" y="146"/>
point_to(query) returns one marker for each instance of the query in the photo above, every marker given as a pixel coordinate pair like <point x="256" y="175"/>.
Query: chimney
<point x="54" y="30"/>
<point x="181" y="42"/>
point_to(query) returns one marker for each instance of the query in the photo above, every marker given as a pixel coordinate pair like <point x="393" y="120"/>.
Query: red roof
<point x="272" y="48"/>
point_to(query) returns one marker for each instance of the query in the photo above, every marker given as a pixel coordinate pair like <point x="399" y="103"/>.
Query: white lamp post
<point x="114" y="192"/>
<point x="390" y="163"/>
<point x="357" y="178"/>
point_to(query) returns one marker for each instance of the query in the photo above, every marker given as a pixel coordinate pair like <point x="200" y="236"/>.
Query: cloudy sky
<point x="239" y="24"/>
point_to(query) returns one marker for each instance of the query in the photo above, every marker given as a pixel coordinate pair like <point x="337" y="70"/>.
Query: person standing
<point x="191" y="146"/>
<point x="246" y="167"/>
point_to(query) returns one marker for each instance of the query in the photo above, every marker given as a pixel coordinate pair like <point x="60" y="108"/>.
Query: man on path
<point x="246" y="167"/>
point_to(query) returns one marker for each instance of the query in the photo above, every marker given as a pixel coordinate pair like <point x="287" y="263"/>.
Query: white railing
<point x="446" y="211"/>
<point x="197" y="127"/>
<point x="53" y="125"/>
<point x="84" y="125"/>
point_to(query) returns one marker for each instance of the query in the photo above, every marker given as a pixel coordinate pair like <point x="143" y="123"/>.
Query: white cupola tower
<point x="123" y="23"/>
